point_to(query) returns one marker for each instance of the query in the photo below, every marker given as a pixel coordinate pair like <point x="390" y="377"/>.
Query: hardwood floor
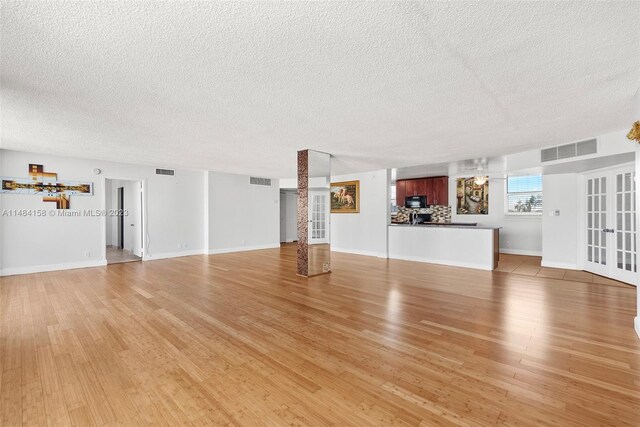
<point x="240" y="339"/>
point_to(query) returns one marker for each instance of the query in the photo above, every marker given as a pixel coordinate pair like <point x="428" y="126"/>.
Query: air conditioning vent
<point x="549" y="154"/>
<point x="169" y="172"/>
<point x="590" y="146"/>
<point x="567" y="151"/>
<point x="260" y="181"/>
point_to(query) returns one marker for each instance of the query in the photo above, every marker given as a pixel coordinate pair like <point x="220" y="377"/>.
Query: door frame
<point x="582" y="209"/>
<point x="144" y="241"/>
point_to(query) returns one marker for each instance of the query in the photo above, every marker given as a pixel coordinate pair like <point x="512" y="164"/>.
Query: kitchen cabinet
<point x="401" y="192"/>
<point x="440" y="190"/>
<point x="435" y="188"/>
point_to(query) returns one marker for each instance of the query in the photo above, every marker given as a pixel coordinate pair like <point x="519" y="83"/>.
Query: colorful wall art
<point x="46" y="184"/>
<point x="345" y="197"/>
<point x="473" y="195"/>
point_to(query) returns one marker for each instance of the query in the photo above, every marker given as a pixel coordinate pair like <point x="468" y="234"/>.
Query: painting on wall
<point x="473" y="195"/>
<point x="345" y="197"/>
<point x="46" y="184"/>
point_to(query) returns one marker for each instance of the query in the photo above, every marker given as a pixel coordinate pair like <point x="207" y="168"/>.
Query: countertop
<point x="465" y="225"/>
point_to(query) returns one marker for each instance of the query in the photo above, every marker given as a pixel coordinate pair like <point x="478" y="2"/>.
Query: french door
<point x="319" y="216"/>
<point x="611" y="224"/>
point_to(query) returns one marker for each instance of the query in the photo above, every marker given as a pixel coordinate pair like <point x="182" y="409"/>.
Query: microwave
<point x="415" y="202"/>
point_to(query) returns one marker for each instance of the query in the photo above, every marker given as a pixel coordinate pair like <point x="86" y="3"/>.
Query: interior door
<point x="319" y="217"/>
<point x="597" y="226"/>
<point x="611" y="227"/>
<point x="624" y="265"/>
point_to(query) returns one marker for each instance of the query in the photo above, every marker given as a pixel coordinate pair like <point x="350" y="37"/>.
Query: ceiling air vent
<point x="260" y="181"/>
<point x="549" y="154"/>
<point x="169" y="172"/>
<point x="590" y="146"/>
<point x="567" y="151"/>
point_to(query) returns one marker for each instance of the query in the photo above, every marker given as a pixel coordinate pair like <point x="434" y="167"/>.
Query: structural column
<point x="303" y="213"/>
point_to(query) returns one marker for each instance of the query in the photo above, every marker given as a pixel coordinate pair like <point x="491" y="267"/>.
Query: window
<point x="392" y="195"/>
<point x="524" y="194"/>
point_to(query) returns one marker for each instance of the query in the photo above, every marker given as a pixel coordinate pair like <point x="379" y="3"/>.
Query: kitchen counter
<point x="448" y="244"/>
<point x="469" y="225"/>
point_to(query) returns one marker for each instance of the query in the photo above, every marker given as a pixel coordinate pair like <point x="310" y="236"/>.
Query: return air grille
<point x="169" y="172"/>
<point x="567" y="151"/>
<point x="260" y="181"/>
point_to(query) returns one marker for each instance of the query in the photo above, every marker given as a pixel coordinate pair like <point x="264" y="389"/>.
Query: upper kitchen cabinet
<point x="401" y="192"/>
<point x="435" y="188"/>
<point x="440" y="191"/>
<point x="416" y="187"/>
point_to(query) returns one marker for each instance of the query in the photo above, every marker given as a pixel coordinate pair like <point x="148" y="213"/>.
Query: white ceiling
<point x="240" y="87"/>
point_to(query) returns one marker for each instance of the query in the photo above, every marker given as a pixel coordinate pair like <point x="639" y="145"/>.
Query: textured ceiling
<point x="240" y="87"/>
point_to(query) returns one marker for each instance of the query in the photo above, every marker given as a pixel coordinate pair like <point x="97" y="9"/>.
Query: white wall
<point x="560" y="233"/>
<point x="520" y="234"/>
<point x="242" y="216"/>
<point x="175" y="225"/>
<point x="364" y="233"/>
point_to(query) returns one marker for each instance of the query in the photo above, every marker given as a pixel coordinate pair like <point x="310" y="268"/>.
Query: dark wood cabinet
<point x="436" y="189"/>
<point x="401" y="192"/>
<point x="440" y="191"/>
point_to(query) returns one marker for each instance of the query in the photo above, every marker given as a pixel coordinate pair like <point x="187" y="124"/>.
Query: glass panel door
<point x="597" y="231"/>
<point x="625" y="264"/>
<point x="319" y="217"/>
<point x="611" y="225"/>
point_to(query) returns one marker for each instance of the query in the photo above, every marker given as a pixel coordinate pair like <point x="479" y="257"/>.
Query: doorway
<point x="610" y="248"/>
<point x="123" y="230"/>
<point x="288" y="216"/>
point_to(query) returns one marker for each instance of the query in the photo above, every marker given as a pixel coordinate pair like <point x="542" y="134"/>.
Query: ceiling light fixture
<point x="481" y="180"/>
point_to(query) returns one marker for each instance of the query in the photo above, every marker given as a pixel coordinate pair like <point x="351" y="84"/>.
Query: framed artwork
<point x="473" y="195"/>
<point x="46" y="184"/>
<point x="345" y="197"/>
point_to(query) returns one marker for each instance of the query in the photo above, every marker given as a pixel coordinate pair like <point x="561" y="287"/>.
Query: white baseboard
<point x="359" y="252"/>
<point x="51" y="267"/>
<point x="243" y="248"/>
<point x="511" y="251"/>
<point x="440" y="262"/>
<point x="636" y="322"/>
<point x="165" y="255"/>
<point x="563" y="265"/>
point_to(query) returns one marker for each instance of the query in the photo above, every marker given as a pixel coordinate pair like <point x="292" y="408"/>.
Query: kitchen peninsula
<point x="446" y="243"/>
<point x="421" y="228"/>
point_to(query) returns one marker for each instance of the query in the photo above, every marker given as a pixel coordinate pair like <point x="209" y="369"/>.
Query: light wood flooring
<point x="239" y="339"/>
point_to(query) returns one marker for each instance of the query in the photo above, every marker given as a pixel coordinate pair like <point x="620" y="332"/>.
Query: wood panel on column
<point x="303" y="213"/>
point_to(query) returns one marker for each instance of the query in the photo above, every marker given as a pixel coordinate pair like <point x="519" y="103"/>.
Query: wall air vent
<point x="169" y="172"/>
<point x="567" y="151"/>
<point x="260" y="181"/>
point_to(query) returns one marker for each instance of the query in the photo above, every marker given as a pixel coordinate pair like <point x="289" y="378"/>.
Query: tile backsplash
<point x="439" y="213"/>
